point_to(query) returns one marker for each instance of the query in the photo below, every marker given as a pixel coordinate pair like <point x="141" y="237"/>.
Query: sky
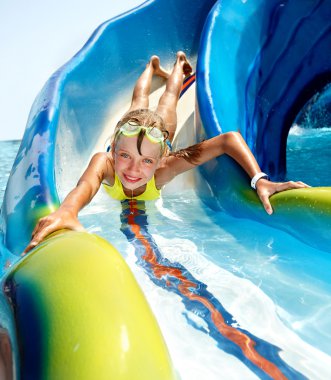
<point x="36" y="38"/>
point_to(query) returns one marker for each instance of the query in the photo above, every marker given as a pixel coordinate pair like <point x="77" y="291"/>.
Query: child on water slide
<point x="140" y="163"/>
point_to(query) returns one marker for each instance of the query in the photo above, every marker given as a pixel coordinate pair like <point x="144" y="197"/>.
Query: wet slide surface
<point x="234" y="297"/>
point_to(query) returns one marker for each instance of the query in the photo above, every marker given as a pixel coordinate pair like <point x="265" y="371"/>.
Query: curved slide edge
<point x="69" y="106"/>
<point x="79" y="311"/>
<point x="76" y="313"/>
<point x="235" y="44"/>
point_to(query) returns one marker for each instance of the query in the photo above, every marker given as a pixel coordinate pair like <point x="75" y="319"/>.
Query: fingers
<point x="302" y="184"/>
<point x="48" y="225"/>
<point x="282" y="186"/>
<point x="266" y="189"/>
<point x="266" y="203"/>
<point x="29" y="247"/>
<point x="42" y="222"/>
<point x="38" y="236"/>
<point x="44" y="227"/>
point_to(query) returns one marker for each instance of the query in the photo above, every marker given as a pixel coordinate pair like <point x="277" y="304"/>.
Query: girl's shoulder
<point x="103" y="163"/>
<point x="101" y="156"/>
<point x="169" y="168"/>
<point x="101" y="160"/>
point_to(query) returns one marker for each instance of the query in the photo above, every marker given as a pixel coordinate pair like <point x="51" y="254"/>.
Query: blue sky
<point x="36" y="38"/>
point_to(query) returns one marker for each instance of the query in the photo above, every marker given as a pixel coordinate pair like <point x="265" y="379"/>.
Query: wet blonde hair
<point x="148" y="118"/>
<point x="145" y="118"/>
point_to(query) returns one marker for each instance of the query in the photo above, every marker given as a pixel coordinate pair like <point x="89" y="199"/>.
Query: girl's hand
<point x="265" y="189"/>
<point x="60" y="219"/>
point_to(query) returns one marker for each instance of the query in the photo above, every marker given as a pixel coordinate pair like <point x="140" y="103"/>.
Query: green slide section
<point x="80" y="314"/>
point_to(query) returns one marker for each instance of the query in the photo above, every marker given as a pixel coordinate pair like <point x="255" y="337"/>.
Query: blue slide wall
<point x="259" y="63"/>
<point x="80" y="96"/>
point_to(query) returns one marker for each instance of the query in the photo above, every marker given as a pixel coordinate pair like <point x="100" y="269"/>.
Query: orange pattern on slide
<point x="237" y="337"/>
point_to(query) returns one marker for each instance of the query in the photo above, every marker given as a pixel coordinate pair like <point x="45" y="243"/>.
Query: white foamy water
<point x="264" y="278"/>
<point x="309" y="155"/>
<point x="297" y="130"/>
<point x="276" y="288"/>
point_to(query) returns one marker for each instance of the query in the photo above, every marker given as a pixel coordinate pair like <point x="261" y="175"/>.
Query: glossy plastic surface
<point x="259" y="63"/>
<point x="80" y="314"/>
<point x="76" y="307"/>
<point x="75" y="106"/>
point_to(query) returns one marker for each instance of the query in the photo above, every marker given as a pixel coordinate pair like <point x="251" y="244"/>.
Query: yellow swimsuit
<point x="116" y="191"/>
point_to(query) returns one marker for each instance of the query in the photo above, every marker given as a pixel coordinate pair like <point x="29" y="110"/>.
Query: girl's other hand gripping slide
<point x="265" y="189"/>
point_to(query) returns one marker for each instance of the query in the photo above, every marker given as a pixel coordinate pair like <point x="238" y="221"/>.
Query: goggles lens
<point x="130" y="129"/>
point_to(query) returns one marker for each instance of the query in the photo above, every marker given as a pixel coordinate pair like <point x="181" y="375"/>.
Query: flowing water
<point x="225" y="278"/>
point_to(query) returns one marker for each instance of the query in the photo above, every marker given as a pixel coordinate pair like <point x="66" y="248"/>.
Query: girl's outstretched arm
<point x="66" y="216"/>
<point x="232" y="144"/>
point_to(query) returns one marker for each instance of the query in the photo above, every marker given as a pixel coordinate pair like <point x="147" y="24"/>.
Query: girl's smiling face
<point x="135" y="170"/>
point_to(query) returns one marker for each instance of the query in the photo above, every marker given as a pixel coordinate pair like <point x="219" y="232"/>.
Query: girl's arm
<point x="234" y="145"/>
<point x="66" y="216"/>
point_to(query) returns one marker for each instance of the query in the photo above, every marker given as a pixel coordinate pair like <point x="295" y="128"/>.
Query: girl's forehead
<point x="129" y="144"/>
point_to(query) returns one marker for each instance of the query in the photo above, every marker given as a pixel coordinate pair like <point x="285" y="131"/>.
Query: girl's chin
<point x="131" y="186"/>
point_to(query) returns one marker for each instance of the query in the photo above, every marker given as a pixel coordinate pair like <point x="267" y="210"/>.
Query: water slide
<point x="249" y="77"/>
<point x="256" y="71"/>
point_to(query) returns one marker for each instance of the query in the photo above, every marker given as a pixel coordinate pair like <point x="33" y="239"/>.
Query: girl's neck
<point x="134" y="193"/>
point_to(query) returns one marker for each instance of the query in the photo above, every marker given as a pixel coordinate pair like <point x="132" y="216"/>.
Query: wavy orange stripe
<point x="239" y="338"/>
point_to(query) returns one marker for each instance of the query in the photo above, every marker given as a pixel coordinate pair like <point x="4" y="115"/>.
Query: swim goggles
<point x="153" y="134"/>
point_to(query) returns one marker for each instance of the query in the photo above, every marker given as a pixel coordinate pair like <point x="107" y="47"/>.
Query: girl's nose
<point x="134" y="166"/>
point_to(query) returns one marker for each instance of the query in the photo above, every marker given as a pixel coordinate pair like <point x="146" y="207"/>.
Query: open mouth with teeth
<point x="131" y="179"/>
